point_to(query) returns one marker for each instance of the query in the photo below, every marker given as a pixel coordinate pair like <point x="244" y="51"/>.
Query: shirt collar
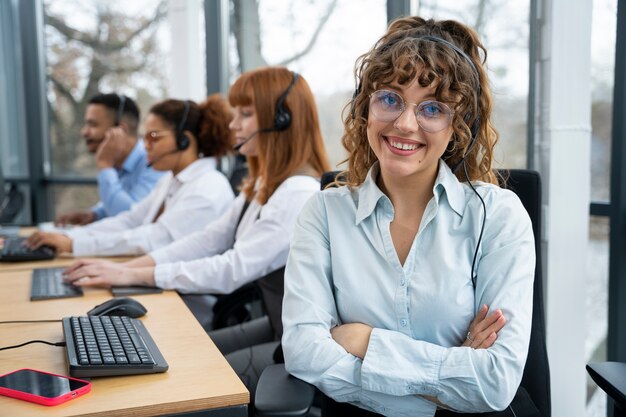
<point x="197" y="168"/>
<point x="369" y="194"/>
<point x="448" y="182"/>
<point x="135" y="157"/>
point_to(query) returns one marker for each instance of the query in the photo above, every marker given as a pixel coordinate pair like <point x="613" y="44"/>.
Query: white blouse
<point x="195" y="197"/>
<point x="224" y="257"/>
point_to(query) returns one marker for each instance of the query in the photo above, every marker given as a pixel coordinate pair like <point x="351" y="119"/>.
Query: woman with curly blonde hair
<point x="386" y="272"/>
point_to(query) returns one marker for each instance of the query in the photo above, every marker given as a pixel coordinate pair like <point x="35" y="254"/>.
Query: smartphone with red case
<point x="42" y="387"/>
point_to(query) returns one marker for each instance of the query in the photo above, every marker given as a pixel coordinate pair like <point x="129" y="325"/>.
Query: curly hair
<point x="214" y="136"/>
<point x="401" y="56"/>
<point x="281" y="153"/>
<point x="207" y="122"/>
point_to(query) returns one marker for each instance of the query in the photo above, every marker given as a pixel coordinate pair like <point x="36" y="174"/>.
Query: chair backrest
<point x="238" y="172"/>
<point x="11" y="205"/>
<point x="536" y="379"/>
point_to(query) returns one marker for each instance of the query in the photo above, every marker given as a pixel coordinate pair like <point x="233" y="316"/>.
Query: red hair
<point x="281" y="153"/>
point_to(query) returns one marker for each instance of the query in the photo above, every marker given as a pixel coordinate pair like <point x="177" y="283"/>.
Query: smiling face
<point x="404" y="150"/>
<point x="245" y="126"/>
<point x="98" y="119"/>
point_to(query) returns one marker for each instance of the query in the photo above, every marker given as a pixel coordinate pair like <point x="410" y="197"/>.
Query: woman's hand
<point x="353" y="337"/>
<point x="483" y="330"/>
<point x="84" y="262"/>
<point x="59" y="241"/>
<point x="87" y="273"/>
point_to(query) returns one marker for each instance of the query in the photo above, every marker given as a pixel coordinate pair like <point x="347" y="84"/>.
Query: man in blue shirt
<point x="110" y="132"/>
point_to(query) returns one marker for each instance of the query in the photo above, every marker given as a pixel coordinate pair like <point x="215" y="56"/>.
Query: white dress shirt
<point x="343" y="268"/>
<point x="198" y="195"/>
<point x="215" y="260"/>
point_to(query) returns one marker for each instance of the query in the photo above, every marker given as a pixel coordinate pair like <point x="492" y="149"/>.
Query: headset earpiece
<point x="282" y="115"/>
<point x="182" y="141"/>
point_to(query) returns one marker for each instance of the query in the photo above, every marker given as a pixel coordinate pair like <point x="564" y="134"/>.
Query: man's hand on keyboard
<point x="109" y="274"/>
<point x="59" y="241"/>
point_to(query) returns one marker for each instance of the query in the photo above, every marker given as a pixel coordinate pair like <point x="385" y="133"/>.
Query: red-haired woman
<point x="277" y="128"/>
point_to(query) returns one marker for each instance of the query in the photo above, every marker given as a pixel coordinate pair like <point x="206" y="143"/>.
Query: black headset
<point x="182" y="141"/>
<point x="282" y="115"/>
<point x="120" y="109"/>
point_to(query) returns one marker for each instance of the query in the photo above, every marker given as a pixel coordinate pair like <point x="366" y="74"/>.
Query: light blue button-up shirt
<point x="343" y="268"/>
<point x="120" y="188"/>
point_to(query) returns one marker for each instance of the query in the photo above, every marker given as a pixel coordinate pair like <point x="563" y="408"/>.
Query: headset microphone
<point x="250" y="137"/>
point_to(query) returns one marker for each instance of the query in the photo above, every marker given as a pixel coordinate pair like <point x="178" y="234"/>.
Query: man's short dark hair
<point x="112" y="102"/>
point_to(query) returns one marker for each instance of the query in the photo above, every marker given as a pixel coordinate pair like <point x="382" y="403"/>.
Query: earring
<point x="454" y="143"/>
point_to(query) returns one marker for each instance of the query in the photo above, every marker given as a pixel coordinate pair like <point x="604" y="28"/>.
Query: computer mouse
<point x="122" y="306"/>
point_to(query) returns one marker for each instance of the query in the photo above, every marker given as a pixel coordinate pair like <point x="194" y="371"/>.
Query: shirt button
<point x="402" y="282"/>
<point x="403" y="323"/>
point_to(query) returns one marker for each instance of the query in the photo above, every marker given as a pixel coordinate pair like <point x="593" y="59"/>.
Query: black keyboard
<point x="110" y="345"/>
<point x="47" y="283"/>
<point x="14" y="251"/>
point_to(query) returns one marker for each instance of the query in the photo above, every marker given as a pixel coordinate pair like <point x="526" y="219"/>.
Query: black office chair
<point x="237" y="307"/>
<point x="238" y="173"/>
<point x="280" y="394"/>
<point x="611" y="377"/>
<point x="12" y="205"/>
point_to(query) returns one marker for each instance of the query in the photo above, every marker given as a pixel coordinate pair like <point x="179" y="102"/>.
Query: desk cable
<point x="29" y="321"/>
<point x="60" y="344"/>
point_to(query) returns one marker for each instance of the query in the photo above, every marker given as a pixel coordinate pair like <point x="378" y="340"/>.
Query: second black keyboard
<point x="47" y="283"/>
<point x="13" y="250"/>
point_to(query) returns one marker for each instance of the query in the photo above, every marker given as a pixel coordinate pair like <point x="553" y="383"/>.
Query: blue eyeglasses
<point x="432" y="116"/>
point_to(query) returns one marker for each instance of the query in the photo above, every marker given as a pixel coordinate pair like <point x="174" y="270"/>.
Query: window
<point x="13" y="155"/>
<point x="319" y="39"/>
<point x="603" y="31"/>
<point x="503" y="29"/>
<point x="94" y="46"/>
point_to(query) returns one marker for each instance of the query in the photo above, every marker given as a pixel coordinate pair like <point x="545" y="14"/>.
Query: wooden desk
<point x="59" y="261"/>
<point x="199" y="378"/>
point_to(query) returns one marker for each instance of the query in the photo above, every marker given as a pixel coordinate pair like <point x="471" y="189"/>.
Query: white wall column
<point x="563" y="157"/>
<point x="186" y="75"/>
